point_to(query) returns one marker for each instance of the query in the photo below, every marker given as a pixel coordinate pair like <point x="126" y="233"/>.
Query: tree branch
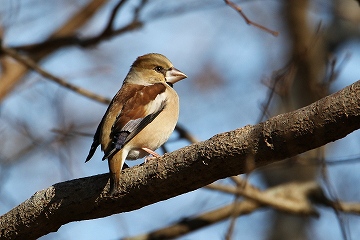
<point x="221" y="156"/>
<point x="278" y="197"/>
<point x="248" y="21"/>
<point x="28" y="62"/>
<point x="291" y="195"/>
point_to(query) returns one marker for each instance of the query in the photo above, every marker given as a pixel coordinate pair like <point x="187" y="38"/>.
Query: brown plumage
<point x="141" y="116"/>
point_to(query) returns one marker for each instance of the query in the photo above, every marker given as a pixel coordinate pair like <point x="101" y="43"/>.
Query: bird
<point x="141" y="116"/>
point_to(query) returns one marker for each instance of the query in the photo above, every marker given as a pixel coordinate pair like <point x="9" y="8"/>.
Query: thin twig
<point x="239" y="184"/>
<point x="94" y="40"/>
<point x="280" y="203"/>
<point x="280" y="82"/>
<point x="233" y="217"/>
<point x="238" y="181"/>
<point x="109" y="27"/>
<point x="248" y="21"/>
<point x="109" y="30"/>
<point x="331" y="191"/>
<point x="28" y="62"/>
<point x="185" y="134"/>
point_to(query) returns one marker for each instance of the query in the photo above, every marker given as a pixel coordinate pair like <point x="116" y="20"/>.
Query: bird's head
<point x="153" y="68"/>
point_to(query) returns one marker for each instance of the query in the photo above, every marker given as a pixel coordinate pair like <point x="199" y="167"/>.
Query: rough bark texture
<point x="187" y="169"/>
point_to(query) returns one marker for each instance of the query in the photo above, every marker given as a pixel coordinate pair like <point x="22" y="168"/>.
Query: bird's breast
<point x="158" y="131"/>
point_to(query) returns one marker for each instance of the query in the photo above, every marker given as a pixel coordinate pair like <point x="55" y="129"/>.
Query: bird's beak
<point x="173" y="75"/>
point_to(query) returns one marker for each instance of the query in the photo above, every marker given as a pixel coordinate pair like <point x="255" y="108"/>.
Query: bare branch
<point x="28" y="62"/>
<point x="293" y="193"/>
<point x="109" y="27"/>
<point x="279" y="193"/>
<point x="184" y="134"/>
<point x="293" y="202"/>
<point x="248" y="21"/>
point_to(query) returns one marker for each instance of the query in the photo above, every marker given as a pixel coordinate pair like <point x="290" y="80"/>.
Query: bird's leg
<point x="150" y="152"/>
<point x="153" y="153"/>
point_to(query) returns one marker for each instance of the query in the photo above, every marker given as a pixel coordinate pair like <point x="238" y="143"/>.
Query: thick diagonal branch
<point x="189" y="168"/>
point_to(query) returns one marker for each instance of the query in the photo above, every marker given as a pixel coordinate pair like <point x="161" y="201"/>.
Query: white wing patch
<point x="156" y="104"/>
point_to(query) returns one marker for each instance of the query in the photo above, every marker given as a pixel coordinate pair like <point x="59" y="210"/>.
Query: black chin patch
<point x="170" y="84"/>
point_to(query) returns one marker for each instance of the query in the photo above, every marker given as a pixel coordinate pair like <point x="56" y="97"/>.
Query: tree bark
<point x="187" y="169"/>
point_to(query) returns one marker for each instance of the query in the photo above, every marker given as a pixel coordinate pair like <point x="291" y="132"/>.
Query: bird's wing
<point x="138" y="111"/>
<point x="96" y="141"/>
<point x="121" y="96"/>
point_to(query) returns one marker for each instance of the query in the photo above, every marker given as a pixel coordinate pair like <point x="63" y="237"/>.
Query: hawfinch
<point x="141" y="116"/>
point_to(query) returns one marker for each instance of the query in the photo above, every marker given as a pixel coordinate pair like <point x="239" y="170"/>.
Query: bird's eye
<point x="159" y="69"/>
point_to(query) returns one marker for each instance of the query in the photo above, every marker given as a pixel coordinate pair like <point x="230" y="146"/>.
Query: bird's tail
<point x="116" y="163"/>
